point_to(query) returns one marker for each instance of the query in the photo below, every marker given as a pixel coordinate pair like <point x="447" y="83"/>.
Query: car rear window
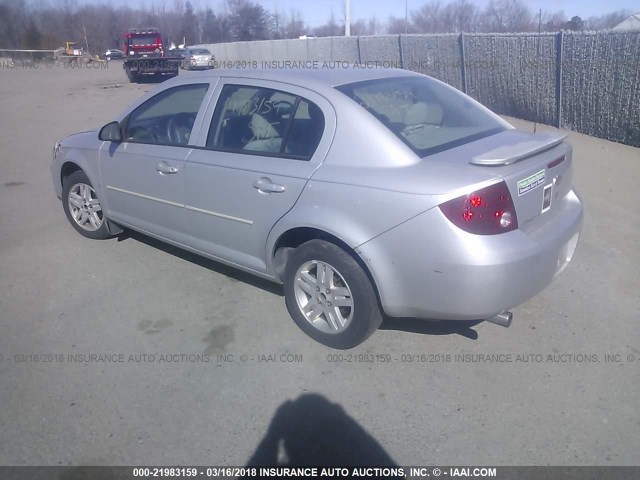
<point x="140" y="40"/>
<point x="426" y="115"/>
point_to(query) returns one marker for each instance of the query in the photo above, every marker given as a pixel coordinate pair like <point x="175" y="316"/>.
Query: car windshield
<point x="141" y="40"/>
<point x="427" y="115"/>
<point x="200" y="51"/>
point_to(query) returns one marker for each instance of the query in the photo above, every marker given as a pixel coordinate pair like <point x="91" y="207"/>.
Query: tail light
<point x="488" y="211"/>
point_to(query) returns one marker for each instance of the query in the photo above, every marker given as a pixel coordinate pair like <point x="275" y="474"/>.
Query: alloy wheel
<point x="85" y="207"/>
<point x="323" y="296"/>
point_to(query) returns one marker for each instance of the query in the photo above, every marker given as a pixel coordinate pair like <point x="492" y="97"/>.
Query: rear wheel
<point x="330" y="296"/>
<point x="82" y="207"/>
<point x="132" y="76"/>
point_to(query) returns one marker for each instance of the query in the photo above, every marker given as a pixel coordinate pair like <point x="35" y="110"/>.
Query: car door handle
<point x="265" y="185"/>
<point x="164" y="168"/>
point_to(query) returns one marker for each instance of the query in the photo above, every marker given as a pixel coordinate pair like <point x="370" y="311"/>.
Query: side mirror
<point x="110" y="132"/>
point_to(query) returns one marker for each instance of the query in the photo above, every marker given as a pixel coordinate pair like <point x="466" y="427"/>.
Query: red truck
<point x="145" y="54"/>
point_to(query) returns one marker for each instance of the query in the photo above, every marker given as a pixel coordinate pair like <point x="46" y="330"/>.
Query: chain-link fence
<point x="588" y="82"/>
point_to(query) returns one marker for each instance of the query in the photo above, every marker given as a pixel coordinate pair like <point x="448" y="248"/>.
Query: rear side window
<point x="263" y="121"/>
<point x="306" y="130"/>
<point x="426" y="115"/>
<point x="167" y="118"/>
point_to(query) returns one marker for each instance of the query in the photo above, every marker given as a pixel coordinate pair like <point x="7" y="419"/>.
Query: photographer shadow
<point x="311" y="431"/>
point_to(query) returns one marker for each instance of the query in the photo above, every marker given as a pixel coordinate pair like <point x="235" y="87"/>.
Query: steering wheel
<point x="173" y="132"/>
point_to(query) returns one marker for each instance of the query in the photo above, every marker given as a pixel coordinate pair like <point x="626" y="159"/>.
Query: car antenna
<point x="535" y="123"/>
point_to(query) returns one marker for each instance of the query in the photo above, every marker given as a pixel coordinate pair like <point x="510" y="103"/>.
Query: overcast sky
<point x="316" y="12"/>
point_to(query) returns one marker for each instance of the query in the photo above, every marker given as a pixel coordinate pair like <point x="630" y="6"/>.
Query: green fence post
<point x="559" y="47"/>
<point x="463" y="73"/>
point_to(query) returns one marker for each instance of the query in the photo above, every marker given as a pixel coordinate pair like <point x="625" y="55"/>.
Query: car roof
<point x="328" y="77"/>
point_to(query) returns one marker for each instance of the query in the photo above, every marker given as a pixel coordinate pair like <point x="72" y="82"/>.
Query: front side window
<point x="255" y="120"/>
<point x="426" y="115"/>
<point x="167" y="118"/>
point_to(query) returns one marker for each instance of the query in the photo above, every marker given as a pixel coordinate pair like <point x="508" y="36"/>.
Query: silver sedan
<point x="365" y="192"/>
<point x="197" y="59"/>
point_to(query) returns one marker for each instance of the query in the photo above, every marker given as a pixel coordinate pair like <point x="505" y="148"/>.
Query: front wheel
<point x="82" y="207"/>
<point x="330" y="296"/>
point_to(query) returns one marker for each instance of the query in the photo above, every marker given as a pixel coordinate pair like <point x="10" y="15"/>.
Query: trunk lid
<point x="528" y="163"/>
<point x="518" y="146"/>
<point x="537" y="168"/>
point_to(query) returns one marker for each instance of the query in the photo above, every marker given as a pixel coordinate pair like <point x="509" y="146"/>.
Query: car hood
<point x="86" y="139"/>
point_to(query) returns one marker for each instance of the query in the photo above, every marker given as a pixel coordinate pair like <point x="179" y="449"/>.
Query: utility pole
<point x="406" y="16"/>
<point x="347" y="18"/>
<point x="85" y="38"/>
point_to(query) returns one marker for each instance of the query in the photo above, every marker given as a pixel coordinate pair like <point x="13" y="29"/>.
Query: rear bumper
<point x="428" y="268"/>
<point x="201" y="64"/>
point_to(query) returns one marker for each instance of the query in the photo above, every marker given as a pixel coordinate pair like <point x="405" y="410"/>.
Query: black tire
<point x="132" y="76"/>
<point x="71" y="183"/>
<point x="365" y="316"/>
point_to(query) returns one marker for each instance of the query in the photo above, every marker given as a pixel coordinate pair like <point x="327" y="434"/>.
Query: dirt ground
<point x="569" y="395"/>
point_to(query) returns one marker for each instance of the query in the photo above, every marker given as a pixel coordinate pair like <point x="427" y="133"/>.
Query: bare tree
<point x="576" y="24"/>
<point x="607" y="21"/>
<point x="11" y="28"/>
<point x="507" y="16"/>
<point x="359" y="27"/>
<point x="212" y="28"/>
<point x="39" y="24"/>
<point x="90" y="19"/>
<point x="428" y="18"/>
<point x="189" y="26"/>
<point x="248" y="20"/>
<point x="553" y="21"/>
<point x="277" y="25"/>
<point x="397" y="26"/>
<point x="373" y="26"/>
<point x="465" y="16"/>
<point x="295" y="28"/>
<point x="330" y="29"/>
<point x="455" y="16"/>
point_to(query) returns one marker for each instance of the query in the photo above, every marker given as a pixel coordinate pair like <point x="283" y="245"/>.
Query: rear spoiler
<point x="518" y="146"/>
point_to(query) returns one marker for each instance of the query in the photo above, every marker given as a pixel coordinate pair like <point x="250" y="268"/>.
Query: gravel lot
<point x="69" y="297"/>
